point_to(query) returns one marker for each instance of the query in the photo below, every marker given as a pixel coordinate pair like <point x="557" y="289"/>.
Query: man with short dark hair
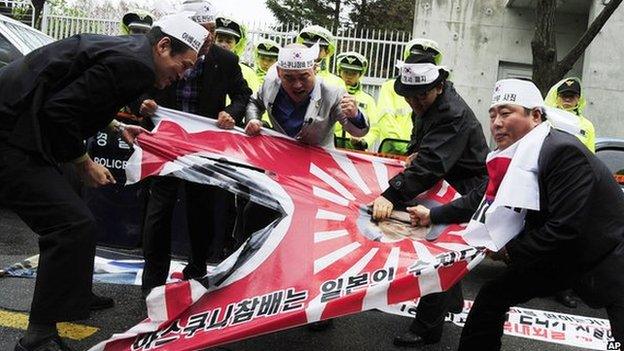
<point x="51" y="100"/>
<point x="302" y="106"/>
<point x="447" y="143"/>
<point x="566" y="225"/>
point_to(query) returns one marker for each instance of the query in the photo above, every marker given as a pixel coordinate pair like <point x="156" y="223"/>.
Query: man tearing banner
<point x="321" y="258"/>
<point x="551" y="209"/>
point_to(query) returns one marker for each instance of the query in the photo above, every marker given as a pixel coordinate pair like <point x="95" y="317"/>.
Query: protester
<point x="572" y="231"/>
<point x="311" y="35"/>
<point x="301" y="106"/>
<point x="232" y="35"/>
<point x="352" y="67"/>
<point x="209" y="209"/>
<point x="51" y="100"/>
<point x="448" y="144"/>
<point x="136" y="22"/>
<point x="395" y="115"/>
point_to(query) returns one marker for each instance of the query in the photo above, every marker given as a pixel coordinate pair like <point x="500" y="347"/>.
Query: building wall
<point x="603" y="75"/>
<point x="477" y="35"/>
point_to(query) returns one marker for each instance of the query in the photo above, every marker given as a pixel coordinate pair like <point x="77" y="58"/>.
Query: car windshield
<point x="29" y="37"/>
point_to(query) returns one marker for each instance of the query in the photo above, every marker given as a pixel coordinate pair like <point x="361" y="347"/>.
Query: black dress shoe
<point x="100" y="302"/>
<point x="411" y="339"/>
<point x="51" y="344"/>
<point x="320" y="325"/>
<point x="566" y="299"/>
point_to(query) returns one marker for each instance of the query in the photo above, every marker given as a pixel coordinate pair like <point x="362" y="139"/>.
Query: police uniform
<point x="229" y="26"/>
<point x="356" y="62"/>
<point x="587" y="134"/>
<point x="316" y="34"/>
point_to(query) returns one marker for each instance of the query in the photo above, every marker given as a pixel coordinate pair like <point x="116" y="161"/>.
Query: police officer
<point x="351" y="67"/>
<point x="394" y="121"/>
<point x="567" y="95"/>
<point x="311" y="35"/>
<point x="51" y="100"/>
<point x="266" y="52"/>
<point x="232" y="36"/>
<point x="448" y="143"/>
<point x="136" y="22"/>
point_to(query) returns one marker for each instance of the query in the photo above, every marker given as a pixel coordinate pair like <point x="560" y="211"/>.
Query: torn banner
<point x="323" y="258"/>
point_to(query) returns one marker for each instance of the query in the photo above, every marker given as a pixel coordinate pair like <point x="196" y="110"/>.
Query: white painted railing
<point x="382" y="48"/>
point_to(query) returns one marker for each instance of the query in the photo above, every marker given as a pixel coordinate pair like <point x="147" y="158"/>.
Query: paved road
<point x="366" y="331"/>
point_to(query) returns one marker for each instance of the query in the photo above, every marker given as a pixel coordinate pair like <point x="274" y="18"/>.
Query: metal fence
<point x="21" y="10"/>
<point x="382" y="47"/>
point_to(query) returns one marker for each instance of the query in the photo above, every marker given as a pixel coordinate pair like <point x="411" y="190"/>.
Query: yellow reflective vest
<point x="394" y="116"/>
<point x="366" y="104"/>
<point x="588" y="133"/>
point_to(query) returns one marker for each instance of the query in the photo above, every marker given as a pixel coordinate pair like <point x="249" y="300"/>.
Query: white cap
<point x="299" y="57"/>
<point x="419" y="73"/>
<point x="202" y="11"/>
<point x="516" y="92"/>
<point x="184" y="29"/>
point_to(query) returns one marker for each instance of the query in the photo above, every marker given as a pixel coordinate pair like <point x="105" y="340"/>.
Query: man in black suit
<point x="447" y="143"/>
<point x="51" y="100"/>
<point x="210" y="209"/>
<point x="575" y="239"/>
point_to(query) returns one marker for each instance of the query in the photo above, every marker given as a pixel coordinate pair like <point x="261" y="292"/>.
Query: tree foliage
<point x="324" y="13"/>
<point x="382" y="14"/>
<point x="374" y="14"/>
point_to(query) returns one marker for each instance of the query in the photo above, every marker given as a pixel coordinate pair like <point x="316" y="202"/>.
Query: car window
<point x="613" y="158"/>
<point x="8" y="52"/>
<point x="32" y="39"/>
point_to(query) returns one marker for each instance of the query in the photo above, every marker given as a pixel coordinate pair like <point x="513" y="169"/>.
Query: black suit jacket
<point x="450" y="145"/>
<point x="580" y="227"/>
<point x="54" y="98"/>
<point x="221" y="75"/>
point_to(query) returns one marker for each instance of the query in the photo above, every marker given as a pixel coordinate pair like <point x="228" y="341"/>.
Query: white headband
<point x="202" y="11"/>
<point x="418" y="73"/>
<point x="184" y="29"/>
<point x="516" y="92"/>
<point x="298" y="57"/>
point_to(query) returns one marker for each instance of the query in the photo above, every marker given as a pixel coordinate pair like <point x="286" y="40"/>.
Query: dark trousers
<point x="44" y="200"/>
<point x="432" y="309"/>
<point x="254" y="217"/>
<point x="209" y="217"/>
<point x="484" y="326"/>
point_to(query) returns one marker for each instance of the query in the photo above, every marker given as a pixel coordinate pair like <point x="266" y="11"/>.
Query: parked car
<point x="611" y="152"/>
<point x="18" y="39"/>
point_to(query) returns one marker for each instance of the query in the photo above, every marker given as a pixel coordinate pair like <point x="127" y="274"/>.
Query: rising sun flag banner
<point x="321" y="258"/>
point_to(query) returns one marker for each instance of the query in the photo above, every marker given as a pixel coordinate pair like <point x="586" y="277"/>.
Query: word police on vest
<point x="111" y="163"/>
<point x="181" y="27"/>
